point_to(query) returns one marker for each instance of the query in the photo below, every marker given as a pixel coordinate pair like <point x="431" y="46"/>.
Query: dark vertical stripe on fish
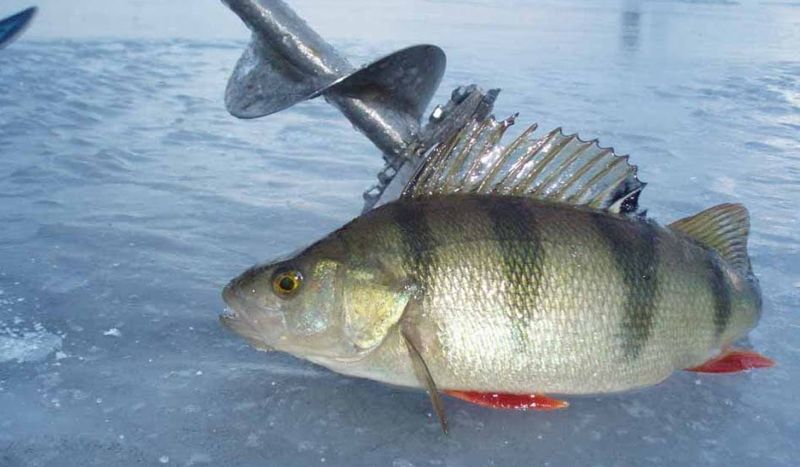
<point x="520" y="247"/>
<point x="417" y="237"/>
<point x="633" y="246"/>
<point x="722" y="294"/>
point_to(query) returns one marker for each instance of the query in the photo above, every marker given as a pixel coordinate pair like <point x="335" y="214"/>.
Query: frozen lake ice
<point x="129" y="197"/>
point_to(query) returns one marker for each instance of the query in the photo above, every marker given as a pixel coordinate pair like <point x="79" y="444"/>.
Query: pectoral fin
<point x="424" y="376"/>
<point x="509" y="401"/>
<point x="734" y="361"/>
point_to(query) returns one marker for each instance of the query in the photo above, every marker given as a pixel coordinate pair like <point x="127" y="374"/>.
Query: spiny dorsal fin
<point x="555" y="167"/>
<point x="723" y="228"/>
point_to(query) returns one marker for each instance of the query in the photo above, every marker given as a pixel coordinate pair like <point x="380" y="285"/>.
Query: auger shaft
<point x="287" y="62"/>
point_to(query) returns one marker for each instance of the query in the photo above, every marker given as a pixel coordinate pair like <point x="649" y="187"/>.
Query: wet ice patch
<point x="199" y="458"/>
<point x="27" y="345"/>
<point x="724" y="185"/>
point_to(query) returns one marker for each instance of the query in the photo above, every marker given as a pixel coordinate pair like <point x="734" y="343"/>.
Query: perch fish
<point x="507" y="272"/>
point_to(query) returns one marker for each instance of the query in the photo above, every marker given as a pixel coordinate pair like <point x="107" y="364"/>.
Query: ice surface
<point x="128" y="197"/>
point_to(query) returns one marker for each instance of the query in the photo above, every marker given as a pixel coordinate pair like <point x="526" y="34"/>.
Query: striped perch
<point x="505" y="272"/>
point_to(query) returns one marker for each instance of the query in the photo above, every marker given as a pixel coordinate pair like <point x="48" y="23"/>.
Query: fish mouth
<point x="230" y="296"/>
<point x="231" y="320"/>
<point x="230" y="317"/>
<point x="235" y="317"/>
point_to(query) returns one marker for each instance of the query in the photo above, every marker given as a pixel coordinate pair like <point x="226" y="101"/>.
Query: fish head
<point x="316" y="305"/>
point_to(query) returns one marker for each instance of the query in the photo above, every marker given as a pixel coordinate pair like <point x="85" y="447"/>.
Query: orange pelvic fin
<point x="734" y="361"/>
<point x="509" y="401"/>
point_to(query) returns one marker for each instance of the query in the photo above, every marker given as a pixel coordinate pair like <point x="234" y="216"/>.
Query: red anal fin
<point x="509" y="401"/>
<point x="734" y="361"/>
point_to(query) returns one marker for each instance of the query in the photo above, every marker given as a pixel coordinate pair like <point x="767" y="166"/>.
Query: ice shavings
<point x="27" y="345"/>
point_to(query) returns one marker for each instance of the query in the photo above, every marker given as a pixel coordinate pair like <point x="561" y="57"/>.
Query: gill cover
<point x="371" y="305"/>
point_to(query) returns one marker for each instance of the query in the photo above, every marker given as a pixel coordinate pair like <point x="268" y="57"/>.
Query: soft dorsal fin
<point x="554" y="167"/>
<point x="724" y="228"/>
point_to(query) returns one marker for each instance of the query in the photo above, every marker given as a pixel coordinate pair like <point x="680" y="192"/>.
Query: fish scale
<point x="636" y="258"/>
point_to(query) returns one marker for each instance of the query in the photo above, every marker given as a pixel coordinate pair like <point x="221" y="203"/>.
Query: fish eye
<point x="286" y="283"/>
